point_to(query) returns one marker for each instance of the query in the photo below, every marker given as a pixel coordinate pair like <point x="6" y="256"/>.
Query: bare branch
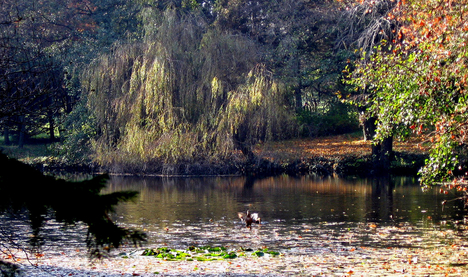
<point x="366" y="24"/>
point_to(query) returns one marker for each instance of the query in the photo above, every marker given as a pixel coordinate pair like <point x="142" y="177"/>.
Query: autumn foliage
<point x="418" y="83"/>
<point x="340" y="146"/>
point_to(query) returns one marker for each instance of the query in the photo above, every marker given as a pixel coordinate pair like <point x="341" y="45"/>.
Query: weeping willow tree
<point x="185" y="93"/>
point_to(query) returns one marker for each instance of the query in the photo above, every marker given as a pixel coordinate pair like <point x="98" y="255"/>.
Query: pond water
<point x="180" y="212"/>
<point x="319" y="226"/>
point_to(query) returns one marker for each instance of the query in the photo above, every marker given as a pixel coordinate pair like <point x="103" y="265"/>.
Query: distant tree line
<point x="139" y="82"/>
<point x="48" y="45"/>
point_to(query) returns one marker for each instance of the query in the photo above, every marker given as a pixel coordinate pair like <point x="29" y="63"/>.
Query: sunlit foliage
<point x="418" y="82"/>
<point x="186" y="92"/>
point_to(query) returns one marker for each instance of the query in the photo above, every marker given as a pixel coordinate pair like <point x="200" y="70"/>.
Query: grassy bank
<point x="32" y="152"/>
<point x="343" y="154"/>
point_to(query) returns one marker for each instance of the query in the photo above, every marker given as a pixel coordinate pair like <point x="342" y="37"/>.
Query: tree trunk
<point x="245" y="148"/>
<point x="22" y="130"/>
<point x="298" y="89"/>
<point x="241" y="143"/>
<point x="51" y="128"/>
<point x="368" y="128"/>
<point x="298" y="98"/>
<point x="6" y="135"/>
<point x="382" y="153"/>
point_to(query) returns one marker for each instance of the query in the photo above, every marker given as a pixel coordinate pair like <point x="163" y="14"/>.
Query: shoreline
<point x="342" y="155"/>
<point x="404" y="164"/>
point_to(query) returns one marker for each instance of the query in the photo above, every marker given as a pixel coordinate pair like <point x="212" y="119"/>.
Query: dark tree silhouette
<point x="25" y="191"/>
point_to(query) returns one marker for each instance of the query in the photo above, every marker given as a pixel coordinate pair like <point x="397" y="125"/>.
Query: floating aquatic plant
<point x="204" y="253"/>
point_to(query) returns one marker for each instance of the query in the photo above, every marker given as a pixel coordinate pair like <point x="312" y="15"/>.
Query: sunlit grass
<point x="36" y="148"/>
<point x="280" y="151"/>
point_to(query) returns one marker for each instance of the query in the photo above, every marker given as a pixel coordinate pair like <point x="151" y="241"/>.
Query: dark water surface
<point x="319" y="226"/>
<point x="308" y="210"/>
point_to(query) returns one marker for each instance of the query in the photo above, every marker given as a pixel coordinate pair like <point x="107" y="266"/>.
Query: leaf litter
<point x="271" y="249"/>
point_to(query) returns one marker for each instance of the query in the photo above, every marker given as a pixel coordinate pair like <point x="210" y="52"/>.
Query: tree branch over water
<point x="26" y="191"/>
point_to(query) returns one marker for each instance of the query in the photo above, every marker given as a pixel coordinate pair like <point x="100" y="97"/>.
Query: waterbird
<point x="249" y="218"/>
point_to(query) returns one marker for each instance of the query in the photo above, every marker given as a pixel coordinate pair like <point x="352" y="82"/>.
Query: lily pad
<point x="203" y="253"/>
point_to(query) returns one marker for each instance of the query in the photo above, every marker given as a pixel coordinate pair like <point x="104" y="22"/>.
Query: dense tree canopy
<point x="418" y="83"/>
<point x="182" y="94"/>
<point x="105" y="73"/>
<point x="300" y="42"/>
<point x="28" y="80"/>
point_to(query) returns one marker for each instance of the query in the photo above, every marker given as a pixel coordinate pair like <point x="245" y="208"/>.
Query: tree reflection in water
<point x="186" y="211"/>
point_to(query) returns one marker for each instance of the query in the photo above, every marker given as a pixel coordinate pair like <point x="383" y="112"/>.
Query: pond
<point x="315" y="226"/>
<point x="203" y="211"/>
